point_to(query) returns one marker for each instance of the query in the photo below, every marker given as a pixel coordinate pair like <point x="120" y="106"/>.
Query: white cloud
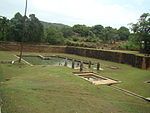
<point x="89" y="12"/>
<point x="139" y="2"/>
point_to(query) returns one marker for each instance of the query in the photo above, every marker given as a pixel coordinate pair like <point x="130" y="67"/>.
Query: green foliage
<point x="110" y="34"/>
<point x="142" y="28"/>
<point x="34" y="29"/>
<point x="98" y="31"/>
<point x="142" y="32"/>
<point x="67" y="32"/>
<point x="123" y="33"/>
<point x="54" y="36"/>
<point x="92" y="39"/>
<point x="4" y="27"/>
<point x="81" y="44"/>
<point x="131" y="44"/>
<point x="82" y="30"/>
<point x="16" y="28"/>
<point x="75" y="39"/>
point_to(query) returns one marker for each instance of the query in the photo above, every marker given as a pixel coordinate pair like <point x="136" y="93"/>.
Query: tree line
<point x="34" y="31"/>
<point x="14" y="29"/>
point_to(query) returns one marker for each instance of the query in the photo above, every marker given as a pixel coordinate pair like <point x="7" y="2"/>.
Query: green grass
<point x="51" y="89"/>
<point x="7" y="55"/>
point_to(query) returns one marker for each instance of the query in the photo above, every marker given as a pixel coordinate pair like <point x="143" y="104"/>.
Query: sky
<point x="114" y="13"/>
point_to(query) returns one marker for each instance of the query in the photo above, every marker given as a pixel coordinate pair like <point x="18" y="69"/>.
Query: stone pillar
<point x="81" y="66"/>
<point x="66" y="62"/>
<point x="89" y="64"/>
<point x="98" y="66"/>
<point x="73" y="64"/>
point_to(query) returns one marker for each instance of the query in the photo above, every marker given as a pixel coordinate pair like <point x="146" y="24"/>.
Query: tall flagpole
<point x="24" y="22"/>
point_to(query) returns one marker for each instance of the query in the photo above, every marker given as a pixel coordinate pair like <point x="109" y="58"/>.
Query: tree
<point x="142" y="27"/>
<point x="4" y="26"/>
<point x="123" y="33"/>
<point x="114" y="35"/>
<point x="82" y="30"/>
<point x="53" y="36"/>
<point x="110" y="34"/>
<point x="16" y="28"/>
<point x="98" y="31"/>
<point x="142" y="32"/>
<point x="67" y="32"/>
<point x="35" y="30"/>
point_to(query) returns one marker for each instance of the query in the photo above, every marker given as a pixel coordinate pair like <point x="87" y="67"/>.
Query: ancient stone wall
<point x="32" y="48"/>
<point x="126" y="58"/>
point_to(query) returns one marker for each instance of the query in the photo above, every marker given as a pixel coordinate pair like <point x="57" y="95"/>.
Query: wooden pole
<point x="24" y="22"/>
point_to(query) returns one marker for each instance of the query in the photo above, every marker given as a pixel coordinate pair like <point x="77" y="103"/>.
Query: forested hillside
<point x="55" y="25"/>
<point x="98" y="36"/>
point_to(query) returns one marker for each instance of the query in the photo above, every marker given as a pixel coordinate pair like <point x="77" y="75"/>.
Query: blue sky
<point x="113" y="13"/>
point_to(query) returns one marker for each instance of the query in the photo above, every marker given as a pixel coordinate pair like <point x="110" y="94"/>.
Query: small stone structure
<point x="96" y="79"/>
<point x="90" y="63"/>
<point x="98" y="66"/>
<point x="81" y="66"/>
<point x="72" y="63"/>
<point x="66" y="62"/>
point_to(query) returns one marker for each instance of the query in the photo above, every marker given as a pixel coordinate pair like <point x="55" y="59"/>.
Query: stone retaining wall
<point x="126" y="58"/>
<point x="32" y="48"/>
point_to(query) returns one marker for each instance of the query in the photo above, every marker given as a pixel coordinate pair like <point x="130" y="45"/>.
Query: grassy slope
<point x="132" y="78"/>
<point x="50" y="89"/>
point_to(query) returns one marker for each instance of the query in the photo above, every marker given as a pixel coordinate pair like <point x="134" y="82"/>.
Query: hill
<point x="56" y="25"/>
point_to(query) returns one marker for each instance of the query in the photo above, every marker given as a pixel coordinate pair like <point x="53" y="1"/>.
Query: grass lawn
<point x="54" y="89"/>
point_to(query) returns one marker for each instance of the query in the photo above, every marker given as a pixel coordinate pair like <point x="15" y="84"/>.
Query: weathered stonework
<point x="126" y="58"/>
